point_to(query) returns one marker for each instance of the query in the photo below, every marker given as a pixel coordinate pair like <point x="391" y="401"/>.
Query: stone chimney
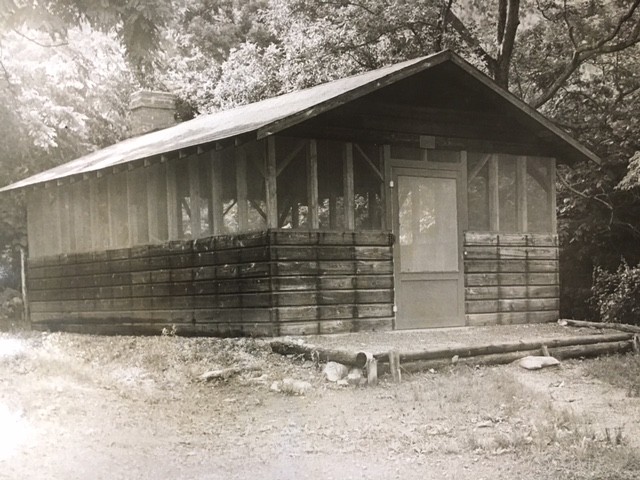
<point x="151" y="111"/>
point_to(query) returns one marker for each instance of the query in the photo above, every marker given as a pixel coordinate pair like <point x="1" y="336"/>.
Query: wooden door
<point x="428" y="266"/>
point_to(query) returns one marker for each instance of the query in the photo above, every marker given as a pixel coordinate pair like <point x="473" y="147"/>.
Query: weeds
<point x="622" y="371"/>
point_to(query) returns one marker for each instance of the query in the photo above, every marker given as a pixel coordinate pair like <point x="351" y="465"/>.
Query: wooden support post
<point x="153" y="196"/>
<point x="394" y="366"/>
<point x="521" y="193"/>
<point x="636" y="344"/>
<point x="271" y="183"/>
<point x="110" y="234"/>
<point x="194" y="196"/>
<point x="217" y="202"/>
<point x="93" y="210"/>
<point x="173" y="206"/>
<point x="494" y="200"/>
<point x="312" y="184"/>
<point x="23" y="284"/>
<point x="551" y="192"/>
<point x="370" y="368"/>
<point x="388" y="198"/>
<point x="545" y="351"/>
<point x="131" y="212"/>
<point x="463" y="203"/>
<point x="241" y="188"/>
<point x="349" y="189"/>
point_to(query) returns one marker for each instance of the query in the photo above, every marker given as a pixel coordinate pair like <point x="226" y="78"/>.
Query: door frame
<point x="458" y="171"/>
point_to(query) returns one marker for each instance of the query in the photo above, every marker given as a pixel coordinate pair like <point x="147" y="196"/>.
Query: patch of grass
<point x="622" y="371"/>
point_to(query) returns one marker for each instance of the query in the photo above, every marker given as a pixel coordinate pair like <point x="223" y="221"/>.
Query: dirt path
<point x="75" y="407"/>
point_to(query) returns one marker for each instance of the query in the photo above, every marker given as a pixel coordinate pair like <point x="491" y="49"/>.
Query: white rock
<point x="295" y="387"/>
<point x="537" y="362"/>
<point x="334" y="371"/>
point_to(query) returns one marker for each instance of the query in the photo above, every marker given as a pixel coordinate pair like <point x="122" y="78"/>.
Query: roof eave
<point x="311" y="112"/>
<point x="581" y="151"/>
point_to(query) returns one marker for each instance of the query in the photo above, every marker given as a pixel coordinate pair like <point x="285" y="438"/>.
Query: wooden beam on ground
<point x="508" y="347"/>
<point x="623" y="327"/>
<point x="561" y="353"/>
<point x="317" y="353"/>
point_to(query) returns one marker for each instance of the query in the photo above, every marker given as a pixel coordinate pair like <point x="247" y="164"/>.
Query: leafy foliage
<point x="616" y="295"/>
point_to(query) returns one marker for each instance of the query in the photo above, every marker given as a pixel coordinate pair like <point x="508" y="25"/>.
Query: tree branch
<point x="585" y="53"/>
<point x="472" y="41"/>
<point x="40" y="44"/>
<point x="581" y="194"/>
<point x="502" y="20"/>
<point x="442" y="24"/>
<point x="506" y="40"/>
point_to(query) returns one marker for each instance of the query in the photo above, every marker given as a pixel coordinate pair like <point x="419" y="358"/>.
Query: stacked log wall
<point x="267" y="283"/>
<point x="511" y="278"/>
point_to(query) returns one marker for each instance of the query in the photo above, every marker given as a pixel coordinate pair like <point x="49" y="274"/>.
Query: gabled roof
<point x="278" y="113"/>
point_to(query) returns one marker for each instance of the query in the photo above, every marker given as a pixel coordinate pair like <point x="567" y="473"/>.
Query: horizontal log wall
<point x="511" y="278"/>
<point x="269" y="283"/>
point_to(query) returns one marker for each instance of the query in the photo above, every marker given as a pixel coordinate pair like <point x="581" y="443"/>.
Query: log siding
<point x="511" y="278"/>
<point x="269" y="283"/>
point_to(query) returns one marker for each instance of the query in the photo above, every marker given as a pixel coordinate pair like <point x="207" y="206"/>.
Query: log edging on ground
<point x="492" y="354"/>
<point x="623" y="327"/>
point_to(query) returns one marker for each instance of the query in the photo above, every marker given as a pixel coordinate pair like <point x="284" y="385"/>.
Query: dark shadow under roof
<point x="278" y="113"/>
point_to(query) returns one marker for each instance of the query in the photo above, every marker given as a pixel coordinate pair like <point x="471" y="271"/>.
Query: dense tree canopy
<point x="68" y="66"/>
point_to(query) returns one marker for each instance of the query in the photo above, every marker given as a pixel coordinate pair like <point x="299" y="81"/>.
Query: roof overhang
<point x="273" y="115"/>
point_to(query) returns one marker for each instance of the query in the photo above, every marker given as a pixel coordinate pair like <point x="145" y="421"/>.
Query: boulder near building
<point x="418" y="195"/>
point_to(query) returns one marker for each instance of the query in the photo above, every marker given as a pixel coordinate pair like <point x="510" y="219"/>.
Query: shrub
<point x="616" y="295"/>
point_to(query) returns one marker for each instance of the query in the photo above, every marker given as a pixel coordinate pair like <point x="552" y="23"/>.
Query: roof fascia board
<point x="526" y="109"/>
<point x="358" y="92"/>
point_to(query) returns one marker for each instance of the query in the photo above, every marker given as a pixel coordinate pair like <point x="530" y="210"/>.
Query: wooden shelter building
<point x="418" y="195"/>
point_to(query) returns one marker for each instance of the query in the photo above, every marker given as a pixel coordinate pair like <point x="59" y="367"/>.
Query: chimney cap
<point x="152" y="99"/>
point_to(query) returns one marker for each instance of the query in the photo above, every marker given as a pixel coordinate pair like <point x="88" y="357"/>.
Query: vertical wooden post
<point x="493" y="191"/>
<point x="463" y="194"/>
<point x="26" y="317"/>
<point x="194" y="196"/>
<point x="241" y="188"/>
<point x="388" y="199"/>
<point x="551" y="192"/>
<point x="93" y="211"/>
<point x="134" y="225"/>
<point x="349" y="190"/>
<point x="371" y="369"/>
<point x="172" y="202"/>
<point x="153" y="221"/>
<point x="32" y="234"/>
<point x="312" y="184"/>
<point x="271" y="183"/>
<point x="521" y="194"/>
<point x="394" y="366"/>
<point x="383" y="189"/>
<point x="217" y="203"/>
<point x="109" y="214"/>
